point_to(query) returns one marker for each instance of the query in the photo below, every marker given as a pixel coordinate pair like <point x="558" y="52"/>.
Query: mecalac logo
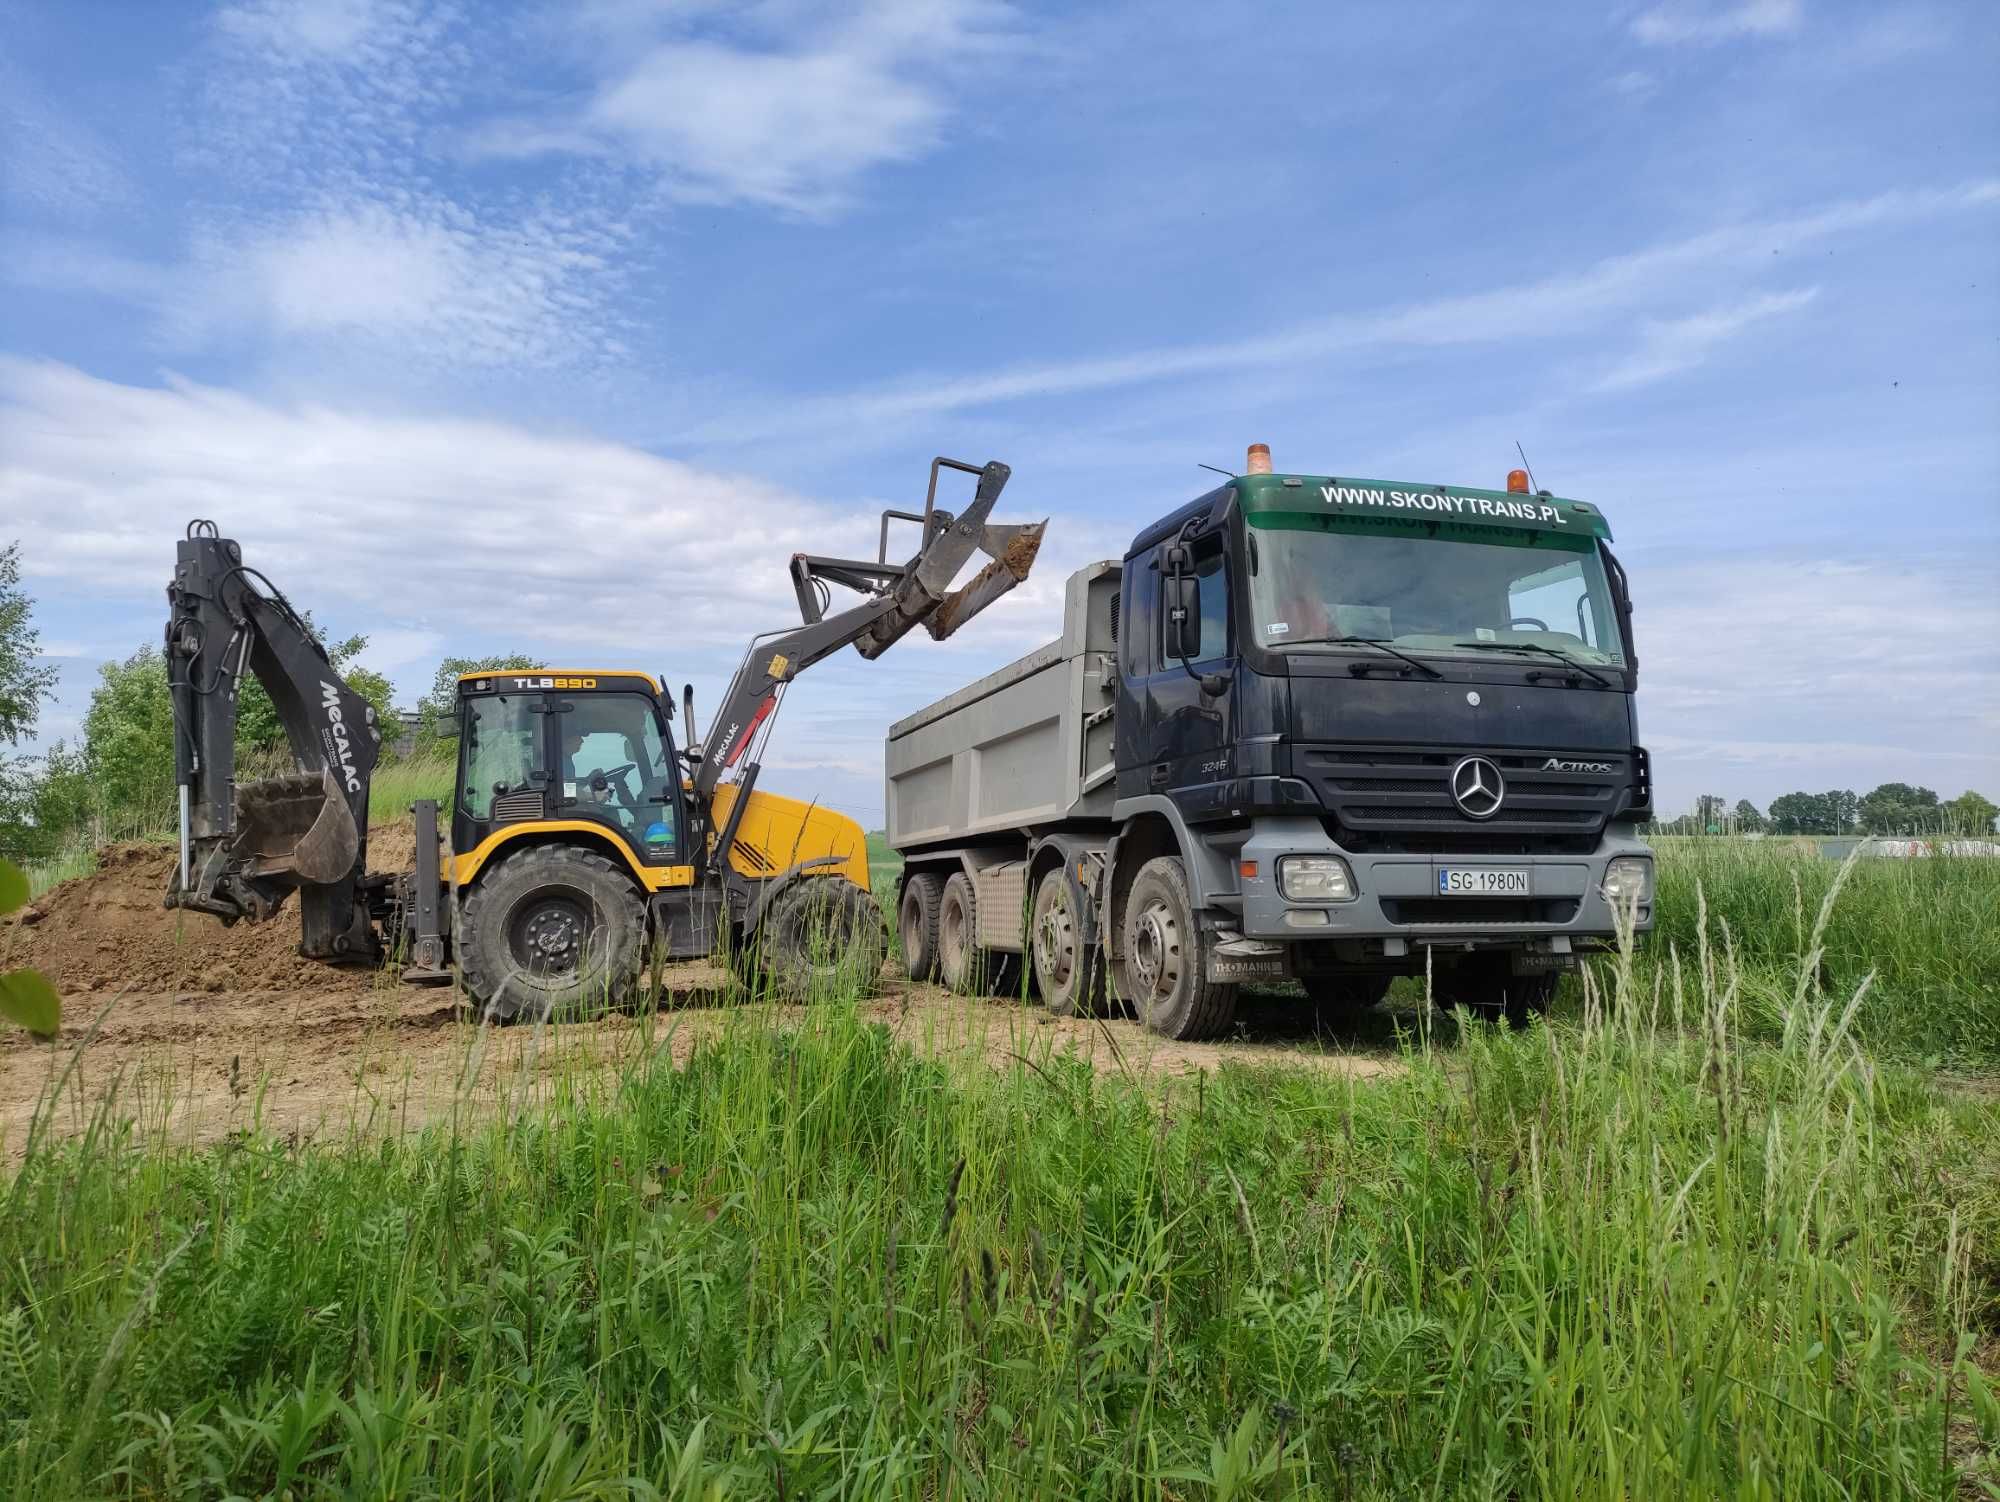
<point x="343" y="748"/>
<point x="1557" y="764"/>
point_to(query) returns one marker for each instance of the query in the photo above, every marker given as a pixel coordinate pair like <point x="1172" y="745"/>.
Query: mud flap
<point x="297" y="824"/>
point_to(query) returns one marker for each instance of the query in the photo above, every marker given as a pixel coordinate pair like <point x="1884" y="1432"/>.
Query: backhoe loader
<point x="582" y="838"/>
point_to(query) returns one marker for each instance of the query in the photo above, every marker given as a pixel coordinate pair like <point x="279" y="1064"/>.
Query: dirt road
<point x="197" y="1031"/>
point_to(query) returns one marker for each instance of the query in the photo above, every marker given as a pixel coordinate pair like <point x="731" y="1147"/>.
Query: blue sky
<point x="557" y="327"/>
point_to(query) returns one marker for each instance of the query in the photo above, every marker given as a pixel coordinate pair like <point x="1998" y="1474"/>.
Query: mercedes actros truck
<point x="1309" y="729"/>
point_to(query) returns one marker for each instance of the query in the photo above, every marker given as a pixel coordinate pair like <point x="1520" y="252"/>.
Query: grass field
<point x="1689" y="1240"/>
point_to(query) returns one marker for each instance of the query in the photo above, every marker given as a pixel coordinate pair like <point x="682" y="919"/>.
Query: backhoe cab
<point x="581" y="835"/>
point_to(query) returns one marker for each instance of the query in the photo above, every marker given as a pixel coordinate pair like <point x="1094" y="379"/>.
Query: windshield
<point x="1427" y="586"/>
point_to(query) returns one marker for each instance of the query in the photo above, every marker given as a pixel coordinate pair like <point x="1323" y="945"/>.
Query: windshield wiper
<point x="1374" y="641"/>
<point x="1533" y="646"/>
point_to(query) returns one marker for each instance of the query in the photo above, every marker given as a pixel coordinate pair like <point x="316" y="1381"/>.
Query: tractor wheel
<point x="822" y="939"/>
<point x="917" y="924"/>
<point x="1163" y="975"/>
<point x="1069" y="974"/>
<point x="551" y="934"/>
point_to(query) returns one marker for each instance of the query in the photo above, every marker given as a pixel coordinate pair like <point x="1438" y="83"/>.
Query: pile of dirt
<point x="107" y="931"/>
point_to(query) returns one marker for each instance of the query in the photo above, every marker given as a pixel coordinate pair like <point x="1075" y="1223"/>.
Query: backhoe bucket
<point x="298" y="824"/>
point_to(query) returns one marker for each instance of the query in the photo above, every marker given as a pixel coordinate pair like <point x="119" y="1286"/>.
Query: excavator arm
<point x="245" y="848"/>
<point x="896" y="598"/>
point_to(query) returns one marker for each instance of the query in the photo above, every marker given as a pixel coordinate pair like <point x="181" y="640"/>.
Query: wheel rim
<point x="910" y="928"/>
<point x="1157" y="951"/>
<point x="549" y="934"/>
<point x="1055" y="941"/>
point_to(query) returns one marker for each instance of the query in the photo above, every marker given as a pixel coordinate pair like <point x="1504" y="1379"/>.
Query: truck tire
<point x="553" y="933"/>
<point x="1068" y="972"/>
<point x="963" y="966"/>
<point x="1335" y="996"/>
<point x="1163" y="974"/>
<point x="917" y="924"/>
<point x="1485" y="985"/>
<point x="821" y="939"/>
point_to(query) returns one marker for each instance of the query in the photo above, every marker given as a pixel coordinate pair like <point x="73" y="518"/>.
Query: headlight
<point x="1628" y="879"/>
<point x="1315" y="878"/>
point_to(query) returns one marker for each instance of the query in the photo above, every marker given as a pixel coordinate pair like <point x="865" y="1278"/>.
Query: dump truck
<point x="583" y="839"/>
<point x="1308" y="729"/>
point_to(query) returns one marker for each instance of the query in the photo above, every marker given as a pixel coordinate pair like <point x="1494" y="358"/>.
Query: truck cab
<point x="1356" y="729"/>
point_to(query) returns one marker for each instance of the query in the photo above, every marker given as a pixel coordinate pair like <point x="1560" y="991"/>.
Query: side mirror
<point x="1183" y="607"/>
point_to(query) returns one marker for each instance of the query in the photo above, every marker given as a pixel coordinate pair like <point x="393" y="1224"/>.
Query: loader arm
<point x="245" y="848"/>
<point x="897" y="598"/>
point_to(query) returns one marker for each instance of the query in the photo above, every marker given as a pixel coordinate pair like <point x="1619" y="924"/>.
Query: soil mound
<point x="108" y="930"/>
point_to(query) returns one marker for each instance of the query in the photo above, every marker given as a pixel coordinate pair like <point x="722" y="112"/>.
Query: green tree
<point x="1899" y="808"/>
<point x="128" y="739"/>
<point x="23" y="685"/>
<point x="437" y="711"/>
<point x="128" y="732"/>
<point x="1969" y="813"/>
<point x="1748" y="820"/>
<point x="1814" y="813"/>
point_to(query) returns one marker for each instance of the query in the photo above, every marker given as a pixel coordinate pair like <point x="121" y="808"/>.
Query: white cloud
<point x="422" y="275"/>
<point x="323" y="28"/>
<point x="1560" y="305"/>
<point x="1680" y="23"/>
<point x="1670" y="346"/>
<point x="1759" y="672"/>
<point x="435" y="535"/>
<point x="788" y="115"/>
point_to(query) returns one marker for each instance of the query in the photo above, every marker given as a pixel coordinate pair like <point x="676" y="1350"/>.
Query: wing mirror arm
<point x="1184" y="621"/>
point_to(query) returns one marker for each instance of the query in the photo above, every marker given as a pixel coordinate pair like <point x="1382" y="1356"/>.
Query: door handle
<point x="1158" y="777"/>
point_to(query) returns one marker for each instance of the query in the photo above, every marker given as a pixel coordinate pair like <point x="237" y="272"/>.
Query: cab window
<point x="499" y="748"/>
<point x="617" y="767"/>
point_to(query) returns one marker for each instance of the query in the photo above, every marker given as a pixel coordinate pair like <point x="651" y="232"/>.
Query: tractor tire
<point x="1069" y="974"/>
<point x="963" y="966"/>
<point x="821" y="939"/>
<point x="917" y="924"/>
<point x="1337" y="996"/>
<point x="1486" y="986"/>
<point x="553" y="933"/>
<point x="1162" y="974"/>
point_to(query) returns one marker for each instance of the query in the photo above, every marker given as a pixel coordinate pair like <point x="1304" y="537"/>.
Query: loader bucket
<point x="1013" y="549"/>
<point x="298" y="824"/>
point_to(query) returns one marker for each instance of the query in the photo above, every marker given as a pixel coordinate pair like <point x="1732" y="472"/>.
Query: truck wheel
<point x="963" y="966"/>
<point x="1163" y="974"/>
<point x="917" y="924"/>
<point x="1342" y="995"/>
<point x="822" y="939"/>
<point x="1486" y="986"/>
<point x="1068" y="973"/>
<point x="551" y="934"/>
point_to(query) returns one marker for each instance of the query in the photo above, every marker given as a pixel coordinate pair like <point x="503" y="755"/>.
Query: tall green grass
<point x="1633" y="1256"/>
<point x="1924" y="934"/>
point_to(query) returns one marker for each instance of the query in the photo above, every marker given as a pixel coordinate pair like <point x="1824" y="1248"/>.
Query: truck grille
<point x="1399" y="800"/>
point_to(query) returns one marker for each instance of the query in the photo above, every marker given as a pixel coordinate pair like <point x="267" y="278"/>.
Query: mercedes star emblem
<point x="1477" y="787"/>
<point x="1472" y="697"/>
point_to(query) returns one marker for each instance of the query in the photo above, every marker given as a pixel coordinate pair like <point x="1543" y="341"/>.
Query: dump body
<point x="1027" y="747"/>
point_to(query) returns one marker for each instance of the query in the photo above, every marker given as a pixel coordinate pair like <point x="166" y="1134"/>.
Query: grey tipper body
<point x="1465" y="813"/>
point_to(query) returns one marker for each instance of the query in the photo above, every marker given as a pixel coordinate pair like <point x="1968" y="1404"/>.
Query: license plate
<point x="1457" y="881"/>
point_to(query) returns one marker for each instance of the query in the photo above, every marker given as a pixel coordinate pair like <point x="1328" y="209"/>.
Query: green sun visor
<point x="1316" y="502"/>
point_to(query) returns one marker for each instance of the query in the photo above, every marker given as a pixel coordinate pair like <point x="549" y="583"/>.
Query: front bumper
<point x="1397" y="897"/>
